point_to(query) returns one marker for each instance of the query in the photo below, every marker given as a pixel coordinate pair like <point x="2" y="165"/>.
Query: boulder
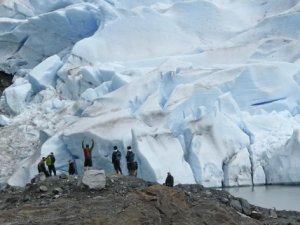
<point x="63" y="176"/>
<point x="39" y="177"/>
<point x="43" y="188"/>
<point x="236" y="204"/>
<point x="256" y="215"/>
<point x="26" y="198"/>
<point x="224" y="200"/>
<point x="94" y="179"/>
<point x="57" y="191"/>
<point x="245" y="207"/>
<point x="272" y="213"/>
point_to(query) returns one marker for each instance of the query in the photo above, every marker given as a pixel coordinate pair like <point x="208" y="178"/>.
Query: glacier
<point x="208" y="90"/>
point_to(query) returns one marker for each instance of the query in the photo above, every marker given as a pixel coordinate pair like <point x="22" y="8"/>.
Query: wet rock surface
<point x="128" y="200"/>
<point x="5" y="81"/>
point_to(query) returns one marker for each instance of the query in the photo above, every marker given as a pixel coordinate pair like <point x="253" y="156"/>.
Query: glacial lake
<point x="281" y="197"/>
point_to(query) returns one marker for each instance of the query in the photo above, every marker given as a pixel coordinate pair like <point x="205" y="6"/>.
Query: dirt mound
<point x="128" y="200"/>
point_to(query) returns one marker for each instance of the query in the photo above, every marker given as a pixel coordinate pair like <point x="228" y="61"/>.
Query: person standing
<point x="42" y="167"/>
<point x="130" y="162"/>
<point x="169" y="180"/>
<point x="87" y="151"/>
<point x="50" y="160"/>
<point x="116" y="158"/>
<point x="71" y="169"/>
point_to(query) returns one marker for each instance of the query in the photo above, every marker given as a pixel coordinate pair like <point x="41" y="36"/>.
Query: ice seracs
<point x="4" y="120"/>
<point x="17" y="95"/>
<point x="43" y="75"/>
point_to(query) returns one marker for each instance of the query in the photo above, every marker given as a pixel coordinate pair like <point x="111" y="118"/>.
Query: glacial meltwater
<point x="281" y="197"/>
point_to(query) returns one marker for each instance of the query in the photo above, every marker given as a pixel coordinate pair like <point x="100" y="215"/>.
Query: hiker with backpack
<point x="116" y="160"/>
<point x="42" y="167"/>
<point x="50" y="160"/>
<point x="87" y="151"/>
<point x="131" y="164"/>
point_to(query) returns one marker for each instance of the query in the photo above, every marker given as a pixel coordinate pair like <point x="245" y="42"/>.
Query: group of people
<point x="132" y="165"/>
<point x="49" y="161"/>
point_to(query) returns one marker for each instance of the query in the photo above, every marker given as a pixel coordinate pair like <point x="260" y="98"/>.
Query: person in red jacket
<point x="87" y="151"/>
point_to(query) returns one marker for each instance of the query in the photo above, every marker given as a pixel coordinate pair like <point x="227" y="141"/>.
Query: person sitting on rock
<point x="116" y="158"/>
<point x="72" y="169"/>
<point x="130" y="162"/>
<point x="169" y="180"/>
<point x="87" y="151"/>
<point x="42" y="167"/>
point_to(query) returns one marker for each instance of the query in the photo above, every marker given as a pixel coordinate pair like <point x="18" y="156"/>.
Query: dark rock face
<point x="5" y="81"/>
<point x="130" y="201"/>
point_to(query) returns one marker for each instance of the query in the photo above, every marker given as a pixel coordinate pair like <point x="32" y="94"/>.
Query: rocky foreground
<point x="128" y="200"/>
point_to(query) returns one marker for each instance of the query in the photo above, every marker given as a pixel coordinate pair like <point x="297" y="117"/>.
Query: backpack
<point x="136" y="165"/>
<point x="52" y="159"/>
<point x="48" y="160"/>
<point x="130" y="157"/>
<point x="118" y="155"/>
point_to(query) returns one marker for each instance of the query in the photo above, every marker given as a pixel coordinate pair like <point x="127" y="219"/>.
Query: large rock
<point x="236" y="204"/>
<point x="94" y="179"/>
<point x="272" y="213"/>
<point x="38" y="178"/>
<point x="256" y="215"/>
<point x="245" y="207"/>
<point x="43" y="188"/>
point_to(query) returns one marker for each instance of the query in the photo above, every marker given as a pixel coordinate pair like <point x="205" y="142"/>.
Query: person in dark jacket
<point x="50" y="160"/>
<point x="42" y="167"/>
<point x="72" y="169"/>
<point x="130" y="162"/>
<point x="116" y="158"/>
<point x="169" y="180"/>
<point x="87" y="151"/>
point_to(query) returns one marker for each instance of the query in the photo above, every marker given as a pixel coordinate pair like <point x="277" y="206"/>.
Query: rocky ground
<point x="127" y="200"/>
